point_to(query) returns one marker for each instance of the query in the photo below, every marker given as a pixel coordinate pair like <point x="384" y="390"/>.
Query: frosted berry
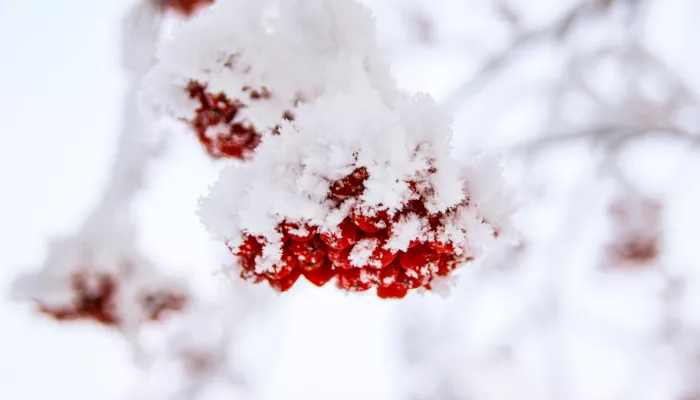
<point x="418" y="257"/>
<point x="310" y="254"/>
<point x="216" y="126"/>
<point x="185" y="7"/>
<point x="389" y="275"/>
<point x="351" y="185"/>
<point x="286" y="266"/>
<point x="298" y="232"/>
<point x="381" y="255"/>
<point x="320" y="276"/>
<point x="394" y="291"/>
<point x="340" y="258"/>
<point x="368" y="220"/>
<point x="357" y="252"/>
<point x="345" y="235"/>
<point x="284" y="284"/>
<point x="354" y="280"/>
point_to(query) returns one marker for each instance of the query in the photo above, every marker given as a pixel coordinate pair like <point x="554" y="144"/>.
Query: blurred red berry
<point x="185" y="7"/>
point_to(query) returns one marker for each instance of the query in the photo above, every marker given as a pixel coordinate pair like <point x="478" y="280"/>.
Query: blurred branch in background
<point x="603" y="220"/>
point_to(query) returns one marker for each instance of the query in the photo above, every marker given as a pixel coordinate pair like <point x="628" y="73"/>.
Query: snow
<point x="318" y="344"/>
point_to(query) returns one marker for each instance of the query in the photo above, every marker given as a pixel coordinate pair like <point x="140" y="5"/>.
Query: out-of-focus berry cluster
<point x="216" y="125"/>
<point x="95" y="297"/>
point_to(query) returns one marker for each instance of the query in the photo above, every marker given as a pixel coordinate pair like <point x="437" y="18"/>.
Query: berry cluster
<point x="217" y="126"/>
<point x="95" y="298"/>
<point x="636" y="231"/>
<point x="185" y="7"/>
<point x="359" y="252"/>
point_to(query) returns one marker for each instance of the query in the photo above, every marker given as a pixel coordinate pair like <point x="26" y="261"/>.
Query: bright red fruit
<point x="418" y="257"/>
<point x="310" y="254"/>
<point x="185" y="7"/>
<point x="354" y="280"/>
<point x="346" y="235"/>
<point x="340" y="258"/>
<point x="320" y="276"/>
<point x="298" y="232"/>
<point x="322" y="256"/>
<point x="394" y="291"/>
<point x="442" y="247"/>
<point x="390" y="274"/>
<point x="412" y="279"/>
<point x="288" y="264"/>
<point x="286" y="283"/>
<point x="250" y="247"/>
<point x="368" y="222"/>
<point x="381" y="256"/>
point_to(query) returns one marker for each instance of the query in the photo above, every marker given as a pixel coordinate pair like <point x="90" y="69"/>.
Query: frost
<point x="361" y="254"/>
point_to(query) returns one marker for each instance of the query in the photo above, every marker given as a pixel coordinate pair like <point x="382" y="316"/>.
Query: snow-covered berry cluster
<point x="347" y="178"/>
<point x="216" y="124"/>
<point x="236" y="71"/>
<point x="361" y="191"/>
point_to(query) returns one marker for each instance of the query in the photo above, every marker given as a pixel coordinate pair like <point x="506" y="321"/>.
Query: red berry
<point x="340" y="258"/>
<point x="286" y="283"/>
<point x="417" y="258"/>
<point x="410" y="279"/>
<point x="351" y="185"/>
<point x="237" y="142"/>
<point x="250" y="247"/>
<point x="311" y="254"/>
<point x="389" y="275"/>
<point x="185" y="7"/>
<point x="345" y="235"/>
<point x="394" y="291"/>
<point x="445" y="265"/>
<point x="320" y="276"/>
<point x="299" y="233"/>
<point x="442" y="247"/>
<point x="369" y="220"/>
<point x="381" y="256"/>
<point x="288" y="264"/>
<point x="392" y="227"/>
<point x="354" y="280"/>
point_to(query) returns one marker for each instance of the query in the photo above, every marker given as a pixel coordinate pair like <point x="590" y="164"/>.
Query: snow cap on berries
<point x="262" y="58"/>
<point x="373" y="178"/>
